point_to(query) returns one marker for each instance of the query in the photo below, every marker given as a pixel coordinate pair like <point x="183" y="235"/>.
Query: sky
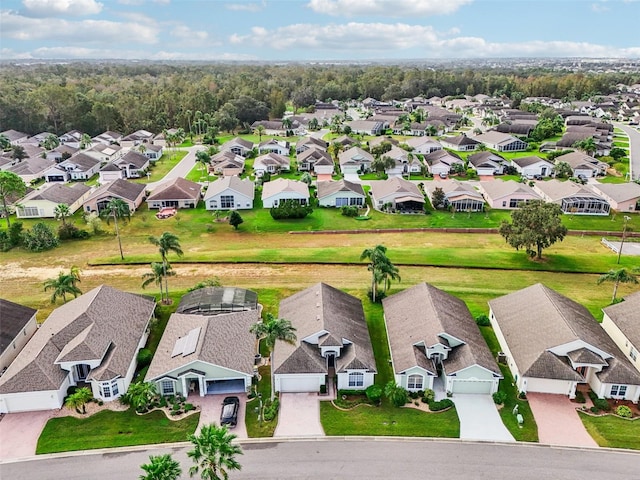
<point x="317" y="30"/>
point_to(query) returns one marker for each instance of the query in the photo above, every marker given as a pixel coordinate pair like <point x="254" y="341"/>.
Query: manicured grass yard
<point x="254" y="427"/>
<point x="614" y="432"/>
<point x="113" y="429"/>
<point x="388" y="420"/>
<point x="162" y="166"/>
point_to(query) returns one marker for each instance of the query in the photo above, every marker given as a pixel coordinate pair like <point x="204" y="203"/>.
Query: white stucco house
<point x="42" y="203"/>
<point x="230" y="193"/>
<point x="423" y="144"/>
<point x="621" y="324"/>
<point x="432" y="334"/>
<point x="552" y="344"/>
<point x="340" y="193"/>
<point x="486" y="163"/>
<point x="271" y="163"/>
<point x="531" y="166"/>
<point x="86" y="340"/>
<point x="332" y="339"/>
<point x="16" y="328"/>
<point x="275" y="191"/>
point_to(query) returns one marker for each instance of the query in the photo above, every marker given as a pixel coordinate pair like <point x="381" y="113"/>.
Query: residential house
<point x="56" y="173"/>
<point x="573" y="198"/>
<point x="583" y="165"/>
<point x="15" y="137"/>
<point x="355" y="161"/>
<point x="507" y="195"/>
<point x="271" y="163"/>
<point x="226" y="163"/>
<point x="623" y="197"/>
<point x="518" y="127"/>
<point x="105" y="152"/>
<point x="277" y="127"/>
<point x="397" y="192"/>
<point x="16" y="329"/>
<point x="532" y="166"/>
<point x="194" y="354"/>
<point x="80" y="166"/>
<point x="273" y="146"/>
<point x="308" y="158"/>
<point x="43" y="202"/>
<point x="487" y="163"/>
<point x="230" y="193"/>
<point x="405" y="162"/>
<point x="111" y="172"/>
<point x="459" y="196"/>
<point x="73" y="138"/>
<point x="552" y="344"/>
<point x="38" y="138"/>
<point x="621" y="324"/>
<point x="433" y="335"/>
<point x="61" y="152"/>
<point x="133" y="164"/>
<point x="460" y="143"/>
<point x="367" y="127"/>
<point x="86" y="340"/>
<point x="340" y="193"/>
<point x="153" y="152"/>
<point x="414" y="129"/>
<point x="332" y="339"/>
<point x="280" y="189"/>
<point x="238" y="146"/>
<point x="323" y="168"/>
<point x="132" y="194"/>
<point x="31" y="169"/>
<point x="346" y="141"/>
<point x="441" y="162"/>
<point x="502" y="142"/>
<point x="161" y="140"/>
<point x="423" y="145"/>
<point x="108" y="138"/>
<point x="310" y="142"/>
<point x="139" y="137"/>
<point x="177" y="193"/>
<point x="31" y="151"/>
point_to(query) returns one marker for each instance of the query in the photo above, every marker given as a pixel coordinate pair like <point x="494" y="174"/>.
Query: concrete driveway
<point x="558" y="422"/>
<point x="211" y="406"/>
<point x="479" y="419"/>
<point x="19" y="433"/>
<point x="299" y="415"/>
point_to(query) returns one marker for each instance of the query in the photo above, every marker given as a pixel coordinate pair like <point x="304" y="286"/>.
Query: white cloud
<point x="80" y="32"/>
<point x="599" y="7"/>
<point x="51" y="8"/>
<point x="247" y="7"/>
<point x="388" y="8"/>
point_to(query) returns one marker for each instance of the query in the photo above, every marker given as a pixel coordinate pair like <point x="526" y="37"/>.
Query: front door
<point x="82" y="370"/>
<point x="331" y="360"/>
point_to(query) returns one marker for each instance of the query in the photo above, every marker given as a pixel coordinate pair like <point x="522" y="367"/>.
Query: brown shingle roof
<point x="329" y="188"/>
<point x="626" y="316"/>
<point x="119" y="188"/>
<point x="14" y="318"/>
<point x="176" y="189"/>
<point x="59" y="193"/>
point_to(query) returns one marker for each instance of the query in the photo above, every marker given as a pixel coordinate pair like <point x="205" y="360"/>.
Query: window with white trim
<point x="166" y="387"/>
<point x="226" y="201"/>
<point x="29" y="211"/>
<point x="115" y="389"/>
<point x="105" y="390"/>
<point x="618" y="390"/>
<point x="415" y="382"/>
<point x="356" y="379"/>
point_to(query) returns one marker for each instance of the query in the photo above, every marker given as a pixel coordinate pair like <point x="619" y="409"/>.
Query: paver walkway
<point x="479" y="419"/>
<point x="558" y="421"/>
<point x="19" y="433"/>
<point x="299" y="415"/>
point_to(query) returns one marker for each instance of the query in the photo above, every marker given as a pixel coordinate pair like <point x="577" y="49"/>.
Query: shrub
<point x="580" y="397"/>
<point x="499" y="397"/>
<point x="100" y="403"/>
<point x="522" y="395"/>
<point x="602" y="404"/>
<point x="188" y="407"/>
<point x="483" y="321"/>
<point x="374" y="393"/>
<point x="624" y="411"/>
<point x="5" y="243"/>
<point x="594" y="410"/>
<point x="290" y="209"/>
<point x="440" y="405"/>
<point x="398" y="395"/>
<point x="271" y="409"/>
<point x="144" y="357"/>
<point x="414" y="395"/>
<point x="428" y="396"/>
<point x="69" y="231"/>
<point x="380" y="294"/>
<point x="40" y="238"/>
<point x="349" y="211"/>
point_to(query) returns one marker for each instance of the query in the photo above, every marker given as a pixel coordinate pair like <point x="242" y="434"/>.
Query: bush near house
<point x="290" y="209"/>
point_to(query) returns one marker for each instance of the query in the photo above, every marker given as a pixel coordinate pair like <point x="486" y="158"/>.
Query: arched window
<point x="356" y="379"/>
<point x="415" y="382"/>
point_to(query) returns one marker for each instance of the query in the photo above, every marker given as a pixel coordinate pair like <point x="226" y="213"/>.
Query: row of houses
<point x="550" y="343"/>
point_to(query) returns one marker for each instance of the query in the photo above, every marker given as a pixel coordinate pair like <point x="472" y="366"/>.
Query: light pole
<point x="624" y="232"/>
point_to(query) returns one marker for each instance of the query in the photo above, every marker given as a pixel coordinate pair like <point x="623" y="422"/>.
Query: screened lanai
<point x="585" y="205"/>
<point x="215" y="300"/>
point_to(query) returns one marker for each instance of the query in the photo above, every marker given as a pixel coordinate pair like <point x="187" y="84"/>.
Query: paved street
<point x="356" y="459"/>
<point x="634" y="148"/>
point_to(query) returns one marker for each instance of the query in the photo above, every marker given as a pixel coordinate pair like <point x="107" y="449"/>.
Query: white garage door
<point x="544" y="385"/>
<point x="472" y="386"/>
<point x="299" y="384"/>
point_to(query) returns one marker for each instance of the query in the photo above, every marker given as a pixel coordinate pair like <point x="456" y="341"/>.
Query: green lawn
<point x="108" y="429"/>
<point x="388" y="420"/>
<point x="163" y="165"/>
<point x="198" y="174"/>
<point x="255" y="428"/>
<point x="611" y="431"/>
<point x="529" y="430"/>
<point x="612" y="179"/>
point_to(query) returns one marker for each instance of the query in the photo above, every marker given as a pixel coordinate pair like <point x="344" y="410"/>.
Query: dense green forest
<point x="94" y="97"/>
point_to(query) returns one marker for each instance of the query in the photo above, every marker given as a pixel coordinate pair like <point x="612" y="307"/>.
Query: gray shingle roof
<point x="619" y="192"/>
<point x="422" y="314"/>
<point x="119" y="188"/>
<point x="59" y="193"/>
<point x="245" y="187"/>
<point x="329" y="188"/>
<point x="626" y="315"/>
<point x="530" y="160"/>
<point x="14" y="318"/>
<point x="136" y="159"/>
<point x="324" y="308"/>
<point x="85" y="325"/>
<point x="176" y="189"/>
<point x="498" y="189"/>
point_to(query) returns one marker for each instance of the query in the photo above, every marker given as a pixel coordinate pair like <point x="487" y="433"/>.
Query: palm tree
<point x="63" y="285"/>
<point x="203" y="158"/>
<point x="51" y="142"/>
<point x="260" y="131"/>
<point x="619" y="276"/>
<point x="188" y="114"/>
<point x="334" y="150"/>
<point x="85" y="141"/>
<point x="5" y="143"/>
<point x="270" y="331"/>
<point x="161" y="467"/>
<point x="213" y="453"/>
<point x="61" y="212"/>
<point x="140" y="394"/>
<point x="156" y="275"/>
<point x="117" y="208"/>
<point x="381" y="268"/>
<point x="74" y="273"/>
<point x="588" y="145"/>
<point x="166" y="243"/>
<point x="387" y="273"/>
<point x="79" y="399"/>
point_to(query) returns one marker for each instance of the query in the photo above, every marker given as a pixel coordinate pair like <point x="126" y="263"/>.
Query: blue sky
<point x="314" y="30"/>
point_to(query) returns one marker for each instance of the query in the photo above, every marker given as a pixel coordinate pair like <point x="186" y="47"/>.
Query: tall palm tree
<point x="64" y="284"/>
<point x="270" y="331"/>
<point x="117" y="208"/>
<point x="213" y="453"/>
<point x="161" y="467"/>
<point x="260" y="131"/>
<point x="61" y="212"/>
<point x="166" y="243"/>
<point x="619" y="276"/>
<point x="588" y="145"/>
<point x="381" y="268"/>
<point x="85" y="141"/>
<point x="156" y="275"/>
<point x="203" y="158"/>
<point x="51" y="142"/>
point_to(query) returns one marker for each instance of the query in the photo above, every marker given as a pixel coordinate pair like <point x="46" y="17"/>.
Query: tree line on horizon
<point x="124" y="97"/>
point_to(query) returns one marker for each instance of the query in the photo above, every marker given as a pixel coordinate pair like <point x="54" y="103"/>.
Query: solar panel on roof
<point x="192" y="342"/>
<point x="178" y="348"/>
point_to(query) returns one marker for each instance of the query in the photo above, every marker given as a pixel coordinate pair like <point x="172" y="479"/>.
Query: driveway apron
<point x="19" y="433"/>
<point x="299" y="415"/>
<point x="211" y="408"/>
<point x="558" y="421"/>
<point x="479" y="419"/>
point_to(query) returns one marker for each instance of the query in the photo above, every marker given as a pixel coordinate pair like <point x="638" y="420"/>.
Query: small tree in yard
<point x="617" y="277"/>
<point x="11" y="185"/>
<point x="213" y="453"/>
<point x="535" y="226"/>
<point x="140" y="395"/>
<point x="40" y="238"/>
<point x="438" y="197"/>
<point x="396" y="394"/>
<point x="79" y="399"/>
<point x="235" y="219"/>
<point x="161" y="467"/>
